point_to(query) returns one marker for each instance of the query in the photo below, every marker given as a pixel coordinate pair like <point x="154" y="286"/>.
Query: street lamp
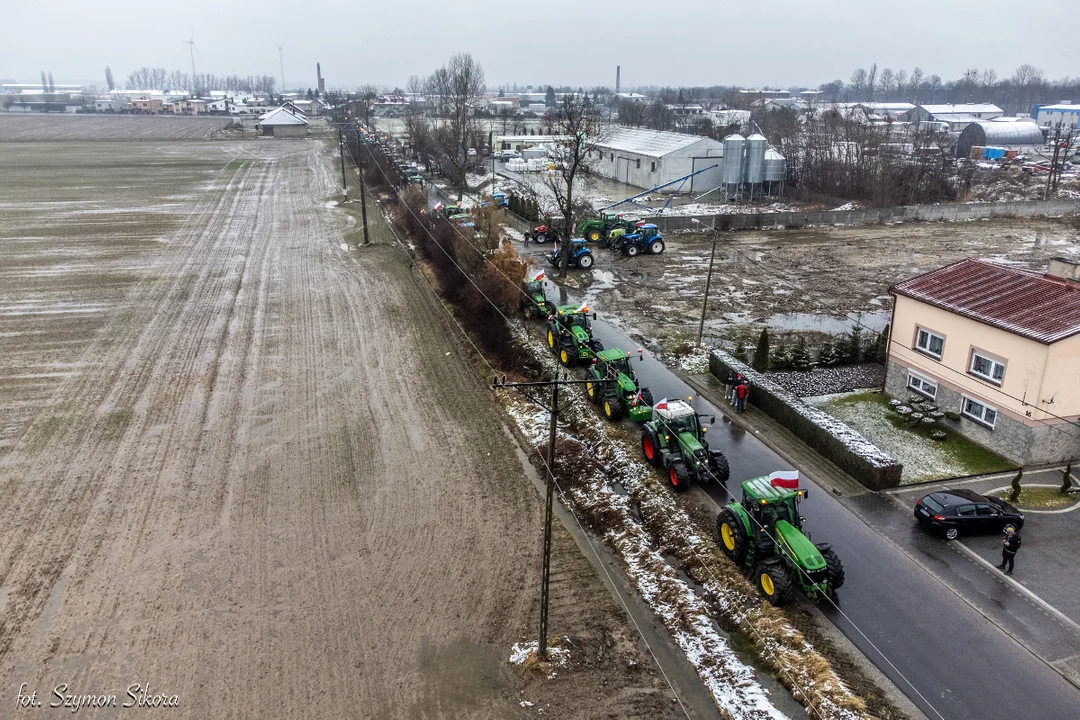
<point x="708" y="279"/>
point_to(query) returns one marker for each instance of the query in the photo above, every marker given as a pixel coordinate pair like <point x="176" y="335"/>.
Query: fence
<point x="872" y="216"/>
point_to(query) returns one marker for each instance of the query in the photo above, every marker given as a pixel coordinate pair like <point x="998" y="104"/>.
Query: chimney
<point x="1064" y="269"/>
<point x="618" y="72"/>
<point x="321" y="85"/>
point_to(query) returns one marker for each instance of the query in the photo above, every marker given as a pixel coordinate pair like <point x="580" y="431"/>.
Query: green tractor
<point x="569" y="335"/>
<point x="675" y="441"/>
<point x="595" y="230"/>
<point x="534" y="302"/>
<point x="615" y="388"/>
<point x="764" y="533"/>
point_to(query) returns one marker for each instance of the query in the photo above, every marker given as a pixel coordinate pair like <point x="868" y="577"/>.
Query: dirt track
<point x="249" y="466"/>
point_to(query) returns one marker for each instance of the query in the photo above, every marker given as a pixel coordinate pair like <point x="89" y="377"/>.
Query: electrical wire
<point x="562" y="495"/>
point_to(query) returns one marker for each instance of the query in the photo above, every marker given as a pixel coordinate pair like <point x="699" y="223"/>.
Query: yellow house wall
<point x="1062" y="380"/>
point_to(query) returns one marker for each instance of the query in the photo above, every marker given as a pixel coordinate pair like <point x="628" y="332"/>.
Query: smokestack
<point x="618" y="72"/>
<point x="321" y="84"/>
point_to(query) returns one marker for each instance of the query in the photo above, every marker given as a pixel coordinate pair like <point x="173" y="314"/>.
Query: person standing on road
<point x="735" y="382"/>
<point x="1009" y="549"/>
<point x="730" y="387"/>
<point x="742" y="390"/>
<point x="526" y="238"/>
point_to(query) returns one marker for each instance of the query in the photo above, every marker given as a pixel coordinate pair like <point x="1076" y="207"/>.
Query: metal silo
<point x="732" y="176"/>
<point x="756" y="145"/>
<point x="775" y="170"/>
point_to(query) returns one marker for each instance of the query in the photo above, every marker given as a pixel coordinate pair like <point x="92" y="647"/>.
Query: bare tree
<point x="858" y="82"/>
<point x="456" y="88"/>
<point x="52" y="85"/>
<point x="871" y="81"/>
<point x="44" y="82"/>
<point x="916" y="84"/>
<point x="579" y="121"/>
<point x="888" y="81"/>
<point x="109" y="78"/>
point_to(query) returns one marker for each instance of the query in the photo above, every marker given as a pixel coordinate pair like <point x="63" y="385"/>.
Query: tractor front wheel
<point x="631" y="250"/>
<point x="720" y="469"/>
<point x="656" y="247"/>
<point x="650" y="447"/>
<point x="834" y="569"/>
<point x="732" y="535"/>
<point x="678" y="477"/>
<point x="585" y="261"/>
<point x="773" y="582"/>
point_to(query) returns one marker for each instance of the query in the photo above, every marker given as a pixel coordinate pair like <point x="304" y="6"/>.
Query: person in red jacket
<point x="742" y="390"/>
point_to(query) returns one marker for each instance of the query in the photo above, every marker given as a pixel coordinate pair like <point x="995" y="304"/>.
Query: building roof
<point x="1063" y="107"/>
<point x="281" y="116"/>
<point x="654" y="143"/>
<point x="1022" y="302"/>
<point x="963" y="109"/>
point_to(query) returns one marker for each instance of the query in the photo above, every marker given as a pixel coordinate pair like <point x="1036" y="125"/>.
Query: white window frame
<point x="923" y="382"/>
<point x="930" y="334"/>
<point x="988" y="378"/>
<point x="981" y="419"/>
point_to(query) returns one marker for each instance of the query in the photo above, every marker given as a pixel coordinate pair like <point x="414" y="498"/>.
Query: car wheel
<point x="952" y="533"/>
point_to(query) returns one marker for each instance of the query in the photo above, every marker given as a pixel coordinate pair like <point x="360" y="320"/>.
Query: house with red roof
<point x="1000" y="347"/>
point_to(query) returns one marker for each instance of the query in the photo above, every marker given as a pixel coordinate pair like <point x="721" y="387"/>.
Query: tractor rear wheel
<point x="678" y="477"/>
<point x="528" y="310"/>
<point x="773" y="581"/>
<point x="632" y="250"/>
<point x="834" y="569"/>
<point x="567" y="356"/>
<point x="720" y="468"/>
<point x="551" y="339"/>
<point x="650" y="447"/>
<point x="585" y="261"/>
<point x="613" y="408"/>
<point x="732" y="535"/>
<point x="594" y="389"/>
<point x="594" y="235"/>
<point x="656" y="247"/>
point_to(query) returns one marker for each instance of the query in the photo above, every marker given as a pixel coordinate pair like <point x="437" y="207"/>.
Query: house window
<point x="982" y="414"/>
<point x="612" y="157"/>
<point x="929" y="342"/>
<point x="639" y="163"/>
<point x="921" y="385"/>
<point x="986" y="368"/>
<point x="652" y="166"/>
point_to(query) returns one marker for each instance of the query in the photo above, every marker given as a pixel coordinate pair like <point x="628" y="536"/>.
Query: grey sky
<point x="574" y="42"/>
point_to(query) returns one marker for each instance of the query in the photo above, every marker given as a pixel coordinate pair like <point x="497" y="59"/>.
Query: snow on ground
<point x="923" y="458"/>
<point x="642" y="537"/>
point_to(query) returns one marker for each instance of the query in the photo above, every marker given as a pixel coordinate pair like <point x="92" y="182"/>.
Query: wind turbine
<point x="191" y="46"/>
<point x="281" y="59"/>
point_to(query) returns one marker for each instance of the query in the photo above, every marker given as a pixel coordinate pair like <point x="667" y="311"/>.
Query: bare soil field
<point x="801" y="280"/>
<point x="246" y="465"/>
<point x="57" y="127"/>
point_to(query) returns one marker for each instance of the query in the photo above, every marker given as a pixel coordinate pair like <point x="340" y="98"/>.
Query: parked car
<point x="507" y="154"/>
<point x="964" y="512"/>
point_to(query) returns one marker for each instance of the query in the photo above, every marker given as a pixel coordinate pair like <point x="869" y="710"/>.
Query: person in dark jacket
<point x="731" y="388"/>
<point x="1009" y="549"/>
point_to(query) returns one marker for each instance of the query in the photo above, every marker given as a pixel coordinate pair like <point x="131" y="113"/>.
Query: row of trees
<point x="200" y="84"/>
<point x="844" y="350"/>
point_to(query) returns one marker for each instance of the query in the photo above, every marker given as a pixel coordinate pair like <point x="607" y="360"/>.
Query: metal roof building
<point x="1030" y="304"/>
<point x="1050" y="115"/>
<point x="961" y="114"/>
<point x="1014" y="133"/>
<point x="283" y="122"/>
<point x="648" y="158"/>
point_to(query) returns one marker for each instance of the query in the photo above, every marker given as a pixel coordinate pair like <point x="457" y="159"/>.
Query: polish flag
<point x="438" y="207"/>
<point x="787" y="479"/>
<point x="662" y="405"/>
<point x="584" y="308"/>
<point x="540" y="276"/>
<point x="637" y="399"/>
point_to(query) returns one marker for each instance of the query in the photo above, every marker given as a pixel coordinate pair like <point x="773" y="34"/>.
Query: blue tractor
<point x="580" y="255"/>
<point x="646" y="238"/>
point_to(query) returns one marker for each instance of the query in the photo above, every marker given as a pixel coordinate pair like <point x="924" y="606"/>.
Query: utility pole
<point x="341" y="154"/>
<point x="708" y="281"/>
<point x="1053" y="161"/>
<point x="549" y="483"/>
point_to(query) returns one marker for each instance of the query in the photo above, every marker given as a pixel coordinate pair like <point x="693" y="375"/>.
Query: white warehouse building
<point x="648" y="158"/>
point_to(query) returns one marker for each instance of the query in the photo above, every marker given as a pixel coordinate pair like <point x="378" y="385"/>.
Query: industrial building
<point x="649" y="158"/>
<point x="1050" y="116"/>
<point x="1021" y="134"/>
<point x="955" y="115"/>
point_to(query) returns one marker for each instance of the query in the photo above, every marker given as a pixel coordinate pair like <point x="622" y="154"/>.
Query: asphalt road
<point x="948" y="659"/>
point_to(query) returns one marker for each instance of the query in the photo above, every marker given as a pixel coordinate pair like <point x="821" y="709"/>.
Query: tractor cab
<point x="580" y="255"/>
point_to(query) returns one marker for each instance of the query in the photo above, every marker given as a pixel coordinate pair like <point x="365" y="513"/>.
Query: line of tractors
<point x="763" y="532"/>
<point x="628" y="236"/>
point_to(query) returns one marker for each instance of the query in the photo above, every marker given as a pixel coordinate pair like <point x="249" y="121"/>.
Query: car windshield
<point x="933" y="504"/>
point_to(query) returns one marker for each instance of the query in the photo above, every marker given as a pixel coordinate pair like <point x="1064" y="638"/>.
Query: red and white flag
<point x="583" y="309"/>
<point x="637" y="399"/>
<point x="662" y="405"/>
<point x="787" y="479"/>
<point x="438" y="207"/>
<point x="540" y="276"/>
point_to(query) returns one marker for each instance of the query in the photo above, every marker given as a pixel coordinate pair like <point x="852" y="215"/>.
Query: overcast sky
<point x="574" y="42"/>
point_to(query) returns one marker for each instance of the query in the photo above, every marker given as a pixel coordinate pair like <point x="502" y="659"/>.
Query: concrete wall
<point x="1016" y="437"/>
<point x="908" y="213"/>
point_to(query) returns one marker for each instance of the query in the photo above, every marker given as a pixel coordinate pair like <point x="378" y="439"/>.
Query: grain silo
<point x="732" y="175"/>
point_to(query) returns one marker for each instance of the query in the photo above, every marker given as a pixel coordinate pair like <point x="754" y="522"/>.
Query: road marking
<point x="1008" y="579"/>
<point x="1072" y="507"/>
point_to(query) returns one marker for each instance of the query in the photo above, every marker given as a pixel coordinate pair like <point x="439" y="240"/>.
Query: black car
<point x="963" y="512"/>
